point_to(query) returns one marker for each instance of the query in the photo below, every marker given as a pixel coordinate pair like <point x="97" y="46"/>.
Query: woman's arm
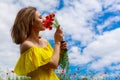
<point x="56" y="52"/>
<point x="55" y="57"/>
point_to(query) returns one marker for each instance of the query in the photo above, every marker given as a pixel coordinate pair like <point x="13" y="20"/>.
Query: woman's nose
<point x="43" y="19"/>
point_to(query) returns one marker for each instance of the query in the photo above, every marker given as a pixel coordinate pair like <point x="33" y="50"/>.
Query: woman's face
<point x="38" y="23"/>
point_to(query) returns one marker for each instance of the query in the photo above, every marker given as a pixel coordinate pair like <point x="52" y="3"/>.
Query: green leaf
<point x="64" y="61"/>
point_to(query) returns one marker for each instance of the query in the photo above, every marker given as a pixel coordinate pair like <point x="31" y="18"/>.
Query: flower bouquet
<point x="49" y="22"/>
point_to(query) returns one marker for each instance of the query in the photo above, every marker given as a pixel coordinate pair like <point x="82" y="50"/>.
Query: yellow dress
<point x="33" y="61"/>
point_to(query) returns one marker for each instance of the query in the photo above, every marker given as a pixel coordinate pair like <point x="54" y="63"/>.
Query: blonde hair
<point x="22" y="26"/>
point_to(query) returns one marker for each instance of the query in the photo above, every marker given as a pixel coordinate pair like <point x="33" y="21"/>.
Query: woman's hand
<point x="58" y="36"/>
<point x="63" y="45"/>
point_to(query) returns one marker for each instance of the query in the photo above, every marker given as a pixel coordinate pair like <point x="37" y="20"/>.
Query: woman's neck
<point x="34" y="36"/>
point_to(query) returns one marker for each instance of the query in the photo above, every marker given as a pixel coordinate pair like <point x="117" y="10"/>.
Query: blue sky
<point x="91" y="29"/>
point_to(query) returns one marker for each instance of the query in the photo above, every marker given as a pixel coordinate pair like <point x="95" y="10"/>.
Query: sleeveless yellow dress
<point x="33" y="61"/>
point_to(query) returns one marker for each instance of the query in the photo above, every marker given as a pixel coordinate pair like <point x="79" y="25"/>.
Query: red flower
<point x="74" y="73"/>
<point x="105" y="72"/>
<point x="62" y="73"/>
<point x="52" y="15"/>
<point x="7" y="73"/>
<point x="49" y="21"/>
<point x="12" y="71"/>
<point x="78" y="68"/>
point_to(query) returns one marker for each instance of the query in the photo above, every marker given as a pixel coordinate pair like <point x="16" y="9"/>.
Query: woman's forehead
<point x="38" y="13"/>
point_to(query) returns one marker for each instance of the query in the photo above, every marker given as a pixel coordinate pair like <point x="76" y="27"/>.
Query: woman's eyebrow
<point x="40" y="16"/>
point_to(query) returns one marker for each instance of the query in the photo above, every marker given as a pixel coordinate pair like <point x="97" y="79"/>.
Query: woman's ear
<point x="33" y="22"/>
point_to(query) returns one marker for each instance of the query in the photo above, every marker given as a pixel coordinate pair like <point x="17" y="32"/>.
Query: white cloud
<point x="8" y="51"/>
<point x="116" y="67"/>
<point x="45" y="5"/>
<point x="115" y="7"/>
<point x="76" y="58"/>
<point x="73" y="17"/>
<point x="108" y="22"/>
<point x="106" y="47"/>
<point x="112" y="5"/>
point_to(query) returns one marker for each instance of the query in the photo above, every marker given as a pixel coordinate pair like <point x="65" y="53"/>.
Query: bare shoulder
<point x="25" y="46"/>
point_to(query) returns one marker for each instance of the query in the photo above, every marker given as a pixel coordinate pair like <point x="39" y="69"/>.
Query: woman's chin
<point x="43" y="29"/>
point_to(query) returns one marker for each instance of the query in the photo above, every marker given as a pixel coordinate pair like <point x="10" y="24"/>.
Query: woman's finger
<point x="59" y="29"/>
<point x="64" y="48"/>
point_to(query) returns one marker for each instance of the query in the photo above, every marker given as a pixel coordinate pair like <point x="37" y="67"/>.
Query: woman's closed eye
<point x="40" y="17"/>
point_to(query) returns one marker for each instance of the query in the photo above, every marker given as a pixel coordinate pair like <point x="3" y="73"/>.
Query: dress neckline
<point x="35" y="46"/>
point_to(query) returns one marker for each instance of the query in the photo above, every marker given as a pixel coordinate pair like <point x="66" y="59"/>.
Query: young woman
<point x="37" y="58"/>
